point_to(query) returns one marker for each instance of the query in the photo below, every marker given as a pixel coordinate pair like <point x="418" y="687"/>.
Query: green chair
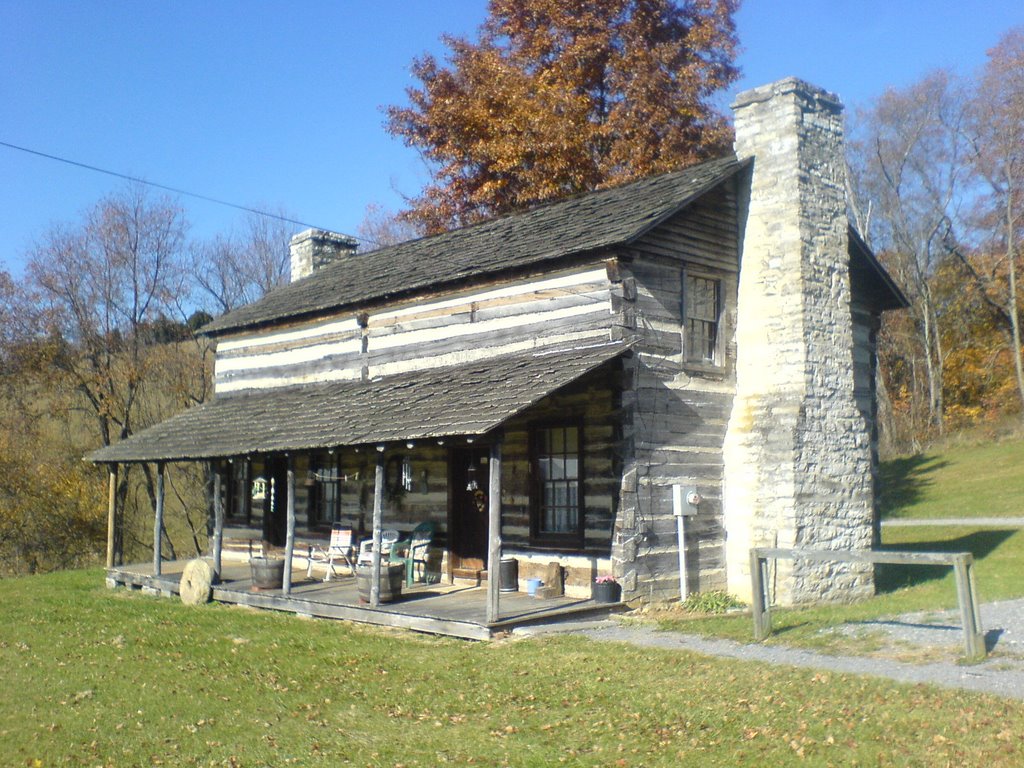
<point x="414" y="551"/>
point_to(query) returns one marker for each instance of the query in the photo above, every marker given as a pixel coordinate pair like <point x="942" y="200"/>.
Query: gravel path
<point x="936" y="636"/>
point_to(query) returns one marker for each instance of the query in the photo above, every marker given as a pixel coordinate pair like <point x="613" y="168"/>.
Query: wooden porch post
<point x="158" y="522"/>
<point x="494" y="532"/>
<point x="289" y="540"/>
<point x="111" y="512"/>
<point x="378" y="520"/>
<point x="218" y="518"/>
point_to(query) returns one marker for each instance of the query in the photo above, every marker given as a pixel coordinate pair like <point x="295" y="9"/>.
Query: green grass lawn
<point x="93" y="677"/>
<point x="973" y="481"/>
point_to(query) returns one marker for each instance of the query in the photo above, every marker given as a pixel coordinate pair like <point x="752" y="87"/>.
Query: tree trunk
<point x="1013" y="306"/>
<point x="933" y="367"/>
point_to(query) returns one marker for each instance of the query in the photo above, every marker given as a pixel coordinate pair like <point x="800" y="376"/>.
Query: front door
<point x="468" y="525"/>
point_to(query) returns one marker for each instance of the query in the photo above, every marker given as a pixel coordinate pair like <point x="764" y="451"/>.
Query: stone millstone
<point x="196" y="582"/>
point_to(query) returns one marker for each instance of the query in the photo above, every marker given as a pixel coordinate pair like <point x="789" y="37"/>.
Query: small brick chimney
<point x="316" y="248"/>
<point x="797" y="449"/>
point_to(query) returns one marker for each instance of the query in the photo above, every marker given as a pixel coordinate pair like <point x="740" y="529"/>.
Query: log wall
<point x="572" y="306"/>
<point x="675" y="411"/>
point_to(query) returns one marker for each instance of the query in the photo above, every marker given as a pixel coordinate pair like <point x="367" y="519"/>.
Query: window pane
<point x="557" y="468"/>
<point x="557" y="441"/>
<point x="572" y="440"/>
<point x="561" y="495"/>
<point x="572" y="519"/>
<point x="572" y="469"/>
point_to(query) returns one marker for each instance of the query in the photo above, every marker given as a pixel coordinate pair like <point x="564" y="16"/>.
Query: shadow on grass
<point x="902" y="482"/>
<point x="889" y="578"/>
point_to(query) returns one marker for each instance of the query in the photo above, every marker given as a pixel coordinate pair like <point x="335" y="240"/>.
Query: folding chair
<point x="341" y="547"/>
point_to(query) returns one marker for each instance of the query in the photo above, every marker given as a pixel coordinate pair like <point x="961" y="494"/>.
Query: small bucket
<point x="532" y="585"/>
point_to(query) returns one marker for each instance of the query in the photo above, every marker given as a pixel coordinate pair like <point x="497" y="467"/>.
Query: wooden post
<point x="974" y="642"/>
<point x="158" y="522"/>
<point x="218" y="518"/>
<point x="759" y="603"/>
<point x="111" y="513"/>
<point x="494" y="533"/>
<point x="289" y="539"/>
<point x="378" y="520"/>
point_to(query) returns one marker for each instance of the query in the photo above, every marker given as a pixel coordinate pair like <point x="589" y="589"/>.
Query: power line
<point x="166" y="188"/>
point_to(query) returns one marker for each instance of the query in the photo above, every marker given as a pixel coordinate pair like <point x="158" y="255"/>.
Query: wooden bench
<point x="961" y="562"/>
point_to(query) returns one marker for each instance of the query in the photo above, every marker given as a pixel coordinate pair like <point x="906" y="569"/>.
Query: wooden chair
<point x="341" y="547"/>
<point x="414" y="551"/>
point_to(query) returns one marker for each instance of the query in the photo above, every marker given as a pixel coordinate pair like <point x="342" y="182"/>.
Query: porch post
<point x="111" y="512"/>
<point x="378" y="520"/>
<point x="218" y="517"/>
<point x="289" y="540"/>
<point x="158" y="522"/>
<point x="494" y="532"/>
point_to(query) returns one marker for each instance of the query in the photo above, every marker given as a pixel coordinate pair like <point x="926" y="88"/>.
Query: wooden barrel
<point x="267" y="572"/>
<point x="391" y="577"/>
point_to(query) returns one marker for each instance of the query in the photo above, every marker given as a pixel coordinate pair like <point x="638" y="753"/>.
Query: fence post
<point x="759" y="606"/>
<point x="970" y="614"/>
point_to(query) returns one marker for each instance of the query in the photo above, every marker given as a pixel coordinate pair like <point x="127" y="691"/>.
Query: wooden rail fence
<point x="961" y="562"/>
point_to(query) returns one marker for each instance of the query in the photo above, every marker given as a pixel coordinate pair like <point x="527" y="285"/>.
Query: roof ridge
<point x="575" y="225"/>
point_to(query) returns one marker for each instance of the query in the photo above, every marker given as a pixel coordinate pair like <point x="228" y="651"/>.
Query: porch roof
<point x="467" y="399"/>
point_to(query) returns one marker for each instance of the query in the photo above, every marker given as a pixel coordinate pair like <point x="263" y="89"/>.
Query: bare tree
<point x="97" y="290"/>
<point x="997" y="129"/>
<point x="232" y="270"/>
<point x="910" y="162"/>
<point x="381" y="227"/>
<point x="98" y="287"/>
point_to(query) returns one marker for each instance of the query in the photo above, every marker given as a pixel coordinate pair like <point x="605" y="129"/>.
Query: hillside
<point x="962" y="481"/>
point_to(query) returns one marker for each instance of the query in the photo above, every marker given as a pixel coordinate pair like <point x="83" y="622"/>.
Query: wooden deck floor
<point x="441" y="609"/>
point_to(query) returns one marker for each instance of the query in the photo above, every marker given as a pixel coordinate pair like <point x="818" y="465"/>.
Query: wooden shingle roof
<point x="579" y="225"/>
<point x="468" y="399"/>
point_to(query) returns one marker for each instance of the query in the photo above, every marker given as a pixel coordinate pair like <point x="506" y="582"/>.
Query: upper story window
<point x="702" y="309"/>
<point x="556" y="514"/>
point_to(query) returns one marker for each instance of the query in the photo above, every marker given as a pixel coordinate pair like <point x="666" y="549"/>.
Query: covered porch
<point x="451" y="446"/>
<point x="442" y="609"/>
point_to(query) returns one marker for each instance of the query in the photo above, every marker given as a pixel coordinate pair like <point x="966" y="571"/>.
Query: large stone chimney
<point x="316" y="248"/>
<point x="797" y="451"/>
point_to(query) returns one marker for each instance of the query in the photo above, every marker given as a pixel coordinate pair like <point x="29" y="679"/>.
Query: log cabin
<point x="642" y="382"/>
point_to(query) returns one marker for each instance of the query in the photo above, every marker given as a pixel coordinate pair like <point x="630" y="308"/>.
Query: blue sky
<point x="278" y="105"/>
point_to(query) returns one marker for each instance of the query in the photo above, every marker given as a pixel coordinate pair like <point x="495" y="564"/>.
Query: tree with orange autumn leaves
<point x="565" y="96"/>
